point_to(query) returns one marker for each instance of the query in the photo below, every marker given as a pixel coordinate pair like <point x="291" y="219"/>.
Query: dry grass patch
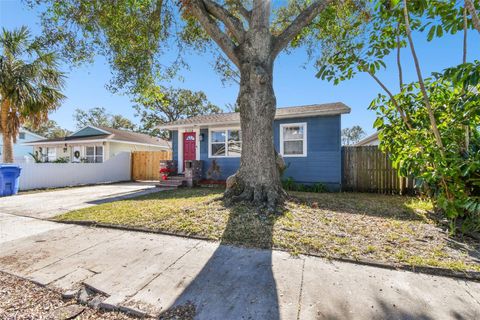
<point x="392" y="229"/>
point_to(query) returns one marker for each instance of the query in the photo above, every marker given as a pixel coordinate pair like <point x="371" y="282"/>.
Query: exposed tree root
<point x="269" y="198"/>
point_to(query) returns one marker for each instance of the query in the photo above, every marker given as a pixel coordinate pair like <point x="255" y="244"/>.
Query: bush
<point x="451" y="176"/>
<point x="290" y="185"/>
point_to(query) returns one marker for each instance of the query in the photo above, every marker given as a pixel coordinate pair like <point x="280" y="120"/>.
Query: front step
<point x="173" y="182"/>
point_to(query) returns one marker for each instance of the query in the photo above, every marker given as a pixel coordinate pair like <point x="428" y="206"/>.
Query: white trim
<point x="31" y="133"/>
<point x="180" y="151"/>
<point x="226" y="141"/>
<point x="325" y="112"/>
<point x="89" y="126"/>
<point x="283" y="125"/>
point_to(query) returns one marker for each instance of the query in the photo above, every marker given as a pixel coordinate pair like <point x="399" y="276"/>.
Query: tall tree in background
<point x="30" y="85"/>
<point x="429" y="127"/>
<point x="158" y="105"/>
<point x="250" y="34"/>
<point x="99" y="117"/>
<point x="48" y="129"/>
<point x="352" y="135"/>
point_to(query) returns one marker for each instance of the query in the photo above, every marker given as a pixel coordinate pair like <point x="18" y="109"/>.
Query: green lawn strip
<point x="386" y="229"/>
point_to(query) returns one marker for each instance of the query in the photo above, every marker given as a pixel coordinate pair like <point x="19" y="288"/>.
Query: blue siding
<point x="323" y="160"/>
<point x="20" y="150"/>
<point x="322" y="163"/>
<point x="228" y="166"/>
<point x="174" y="136"/>
<point x="88" y="131"/>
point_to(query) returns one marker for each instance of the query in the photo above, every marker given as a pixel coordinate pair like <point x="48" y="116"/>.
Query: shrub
<point x="290" y="185"/>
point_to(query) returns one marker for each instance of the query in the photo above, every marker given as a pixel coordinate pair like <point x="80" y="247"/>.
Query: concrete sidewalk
<point x="151" y="273"/>
<point x="47" y="204"/>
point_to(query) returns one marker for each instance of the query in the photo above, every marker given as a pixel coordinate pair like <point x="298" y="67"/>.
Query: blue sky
<point x="294" y="84"/>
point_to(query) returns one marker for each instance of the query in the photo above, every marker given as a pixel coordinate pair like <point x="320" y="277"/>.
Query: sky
<point x="294" y="82"/>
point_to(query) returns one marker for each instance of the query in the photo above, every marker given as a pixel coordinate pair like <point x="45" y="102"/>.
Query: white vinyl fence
<point x="54" y="175"/>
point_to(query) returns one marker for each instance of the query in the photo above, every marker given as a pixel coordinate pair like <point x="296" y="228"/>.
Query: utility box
<point x="9" y="179"/>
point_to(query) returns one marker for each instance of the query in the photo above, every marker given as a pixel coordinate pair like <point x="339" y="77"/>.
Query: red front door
<point x="189" y="152"/>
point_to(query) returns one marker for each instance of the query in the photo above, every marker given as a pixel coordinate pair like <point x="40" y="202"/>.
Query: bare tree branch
<point x="300" y="22"/>
<point x="473" y="12"/>
<point x="199" y="11"/>
<point x="426" y="100"/>
<point x="231" y="22"/>
<point x="260" y="14"/>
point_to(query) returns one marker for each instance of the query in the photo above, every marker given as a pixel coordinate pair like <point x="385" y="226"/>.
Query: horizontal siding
<point x="323" y="161"/>
<point x="88" y="131"/>
<point x="174" y="136"/>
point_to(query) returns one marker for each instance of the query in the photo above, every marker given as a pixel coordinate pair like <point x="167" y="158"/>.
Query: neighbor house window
<point x="94" y="154"/>
<point x="51" y="154"/>
<point x="293" y="139"/>
<point x="21" y="136"/>
<point x="225" y="143"/>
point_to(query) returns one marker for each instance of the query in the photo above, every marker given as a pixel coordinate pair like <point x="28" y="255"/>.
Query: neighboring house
<point x="369" y="141"/>
<point x="308" y="137"/>
<point x="95" y="144"/>
<point x="21" y="152"/>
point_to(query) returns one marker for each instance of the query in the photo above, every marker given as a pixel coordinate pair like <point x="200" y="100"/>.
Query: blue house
<point x="20" y="150"/>
<point x="308" y="138"/>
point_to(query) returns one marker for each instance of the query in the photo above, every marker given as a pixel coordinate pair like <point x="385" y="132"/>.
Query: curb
<point x="436" y="271"/>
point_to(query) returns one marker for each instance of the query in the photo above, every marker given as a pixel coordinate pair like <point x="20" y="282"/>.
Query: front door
<point x="189" y="151"/>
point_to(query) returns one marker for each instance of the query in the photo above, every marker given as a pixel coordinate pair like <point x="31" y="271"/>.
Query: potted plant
<point x="164" y="172"/>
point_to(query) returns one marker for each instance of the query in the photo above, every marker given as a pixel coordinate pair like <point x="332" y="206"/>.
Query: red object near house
<point x="189" y="144"/>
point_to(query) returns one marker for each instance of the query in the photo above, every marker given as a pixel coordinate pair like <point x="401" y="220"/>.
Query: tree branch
<point x="300" y="22"/>
<point x="473" y="13"/>
<point x="198" y="10"/>
<point x="231" y="22"/>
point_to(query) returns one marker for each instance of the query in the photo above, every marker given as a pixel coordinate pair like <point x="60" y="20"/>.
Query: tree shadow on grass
<point x="236" y="282"/>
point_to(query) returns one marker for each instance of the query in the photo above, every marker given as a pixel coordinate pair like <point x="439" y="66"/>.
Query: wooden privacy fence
<point x="146" y="164"/>
<point x="367" y="169"/>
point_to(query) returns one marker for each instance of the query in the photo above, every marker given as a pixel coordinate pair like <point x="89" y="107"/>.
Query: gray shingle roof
<point x="287" y="112"/>
<point x="115" y="134"/>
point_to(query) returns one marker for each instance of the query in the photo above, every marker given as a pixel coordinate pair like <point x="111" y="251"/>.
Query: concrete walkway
<point x="47" y="204"/>
<point x="151" y="273"/>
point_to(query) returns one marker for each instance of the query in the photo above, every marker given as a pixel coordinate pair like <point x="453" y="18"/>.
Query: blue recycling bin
<point x="9" y="179"/>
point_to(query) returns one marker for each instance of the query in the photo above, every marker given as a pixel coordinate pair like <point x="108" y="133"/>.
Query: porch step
<point x="173" y="182"/>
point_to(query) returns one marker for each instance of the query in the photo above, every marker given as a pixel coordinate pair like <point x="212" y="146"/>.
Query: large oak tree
<point x="250" y="34"/>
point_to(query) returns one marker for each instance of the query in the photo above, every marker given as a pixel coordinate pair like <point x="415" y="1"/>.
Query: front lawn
<point x="389" y="229"/>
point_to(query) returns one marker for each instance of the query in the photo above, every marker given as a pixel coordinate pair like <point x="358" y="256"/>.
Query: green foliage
<point x="99" y="117"/>
<point x="453" y="178"/>
<point x="30" y="81"/>
<point x="290" y="185"/>
<point x="61" y="160"/>
<point x="49" y="129"/>
<point x="352" y="135"/>
<point x="157" y="105"/>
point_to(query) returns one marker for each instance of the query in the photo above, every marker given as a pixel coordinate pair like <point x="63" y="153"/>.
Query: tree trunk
<point x="7" y="152"/>
<point x="258" y="178"/>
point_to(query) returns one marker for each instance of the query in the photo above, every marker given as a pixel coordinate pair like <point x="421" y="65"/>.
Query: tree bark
<point x="258" y="178"/>
<point x="426" y="100"/>
<point x="7" y="155"/>
<point x="473" y="13"/>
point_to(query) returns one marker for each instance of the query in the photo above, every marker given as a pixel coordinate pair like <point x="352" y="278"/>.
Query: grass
<point x="389" y="229"/>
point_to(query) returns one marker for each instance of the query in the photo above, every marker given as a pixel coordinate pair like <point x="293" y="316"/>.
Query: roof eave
<point x="344" y="110"/>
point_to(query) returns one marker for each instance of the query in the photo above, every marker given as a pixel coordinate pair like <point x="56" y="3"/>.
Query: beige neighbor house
<point x="95" y="145"/>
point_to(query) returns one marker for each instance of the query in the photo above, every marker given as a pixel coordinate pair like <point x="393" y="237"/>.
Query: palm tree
<point x="30" y="84"/>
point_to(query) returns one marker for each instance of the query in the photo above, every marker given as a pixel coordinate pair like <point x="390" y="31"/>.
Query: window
<point x="225" y="143"/>
<point x="94" y="154"/>
<point x="21" y="136"/>
<point x="51" y="154"/>
<point x="293" y="140"/>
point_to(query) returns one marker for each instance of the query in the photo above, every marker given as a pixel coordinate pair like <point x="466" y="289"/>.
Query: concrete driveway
<point x="47" y="204"/>
<point x="151" y="273"/>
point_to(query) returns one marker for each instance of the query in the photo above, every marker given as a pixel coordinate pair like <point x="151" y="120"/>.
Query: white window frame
<point x="225" y="129"/>
<point x="95" y="152"/>
<point x="54" y="157"/>
<point x="282" y="140"/>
